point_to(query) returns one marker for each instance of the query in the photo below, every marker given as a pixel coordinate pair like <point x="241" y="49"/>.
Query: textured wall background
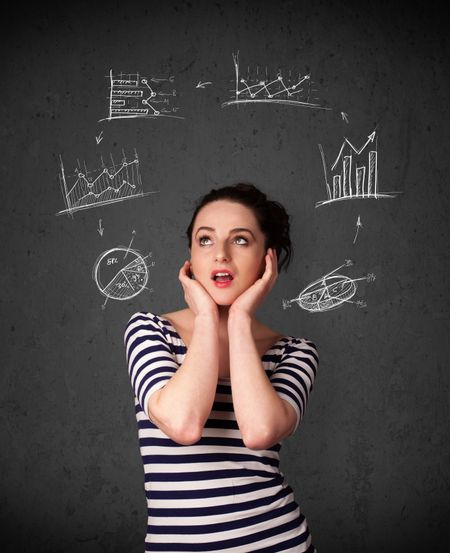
<point x="369" y="464"/>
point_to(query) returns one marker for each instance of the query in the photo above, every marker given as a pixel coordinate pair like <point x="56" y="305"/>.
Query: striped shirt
<point x="216" y="495"/>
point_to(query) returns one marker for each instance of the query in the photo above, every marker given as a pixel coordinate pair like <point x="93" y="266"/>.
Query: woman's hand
<point x="196" y="296"/>
<point x="249" y="300"/>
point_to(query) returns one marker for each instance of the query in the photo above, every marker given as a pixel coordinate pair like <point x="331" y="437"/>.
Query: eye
<point x="201" y="240"/>
<point x="242" y="238"/>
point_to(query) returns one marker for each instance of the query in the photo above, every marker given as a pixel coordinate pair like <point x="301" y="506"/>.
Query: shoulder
<point x="144" y="317"/>
<point x="145" y="322"/>
<point x="178" y="316"/>
<point x="303" y="349"/>
<point x="181" y="320"/>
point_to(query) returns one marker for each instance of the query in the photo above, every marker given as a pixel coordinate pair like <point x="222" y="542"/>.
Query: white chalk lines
<point x="121" y="273"/>
<point x="115" y="182"/>
<point x="256" y="85"/>
<point x="134" y="96"/>
<point x="354" y="173"/>
<point x="329" y="292"/>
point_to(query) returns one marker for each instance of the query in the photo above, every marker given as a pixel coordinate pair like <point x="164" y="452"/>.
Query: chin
<point x="224" y="301"/>
<point x="224" y="298"/>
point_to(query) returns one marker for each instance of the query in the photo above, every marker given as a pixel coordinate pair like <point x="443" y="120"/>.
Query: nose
<point x="222" y="253"/>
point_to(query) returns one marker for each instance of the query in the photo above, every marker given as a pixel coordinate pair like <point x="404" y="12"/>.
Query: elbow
<point x="186" y="435"/>
<point x="263" y="439"/>
<point x="183" y="432"/>
<point x="179" y="429"/>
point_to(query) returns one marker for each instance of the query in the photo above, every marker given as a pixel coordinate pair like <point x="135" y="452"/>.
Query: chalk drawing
<point x="358" y="226"/>
<point x="84" y="189"/>
<point x="256" y="85"/>
<point x="118" y="279"/>
<point x="354" y="173"/>
<point x="133" y="96"/>
<point x="201" y="84"/>
<point x="329" y="292"/>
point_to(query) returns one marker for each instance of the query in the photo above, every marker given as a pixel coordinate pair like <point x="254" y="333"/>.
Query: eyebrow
<point x="237" y="229"/>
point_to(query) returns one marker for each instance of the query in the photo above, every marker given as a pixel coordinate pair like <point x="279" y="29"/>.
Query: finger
<point x="183" y="273"/>
<point x="273" y="267"/>
<point x="267" y="275"/>
<point x="275" y="261"/>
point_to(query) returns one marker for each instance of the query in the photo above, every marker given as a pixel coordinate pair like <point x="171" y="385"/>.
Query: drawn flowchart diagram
<point x="329" y="291"/>
<point x="115" y="182"/>
<point x="256" y="85"/>
<point x="134" y="96"/>
<point x="354" y="173"/>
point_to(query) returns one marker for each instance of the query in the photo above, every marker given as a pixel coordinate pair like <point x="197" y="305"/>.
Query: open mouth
<point x="222" y="277"/>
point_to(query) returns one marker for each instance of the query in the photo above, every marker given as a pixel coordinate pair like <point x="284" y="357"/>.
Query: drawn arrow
<point x="370" y="138"/>
<point x="100" y="228"/>
<point x="358" y="226"/>
<point x="129" y="245"/>
<point x="202" y="85"/>
<point x="344" y="116"/>
<point x="99" y="138"/>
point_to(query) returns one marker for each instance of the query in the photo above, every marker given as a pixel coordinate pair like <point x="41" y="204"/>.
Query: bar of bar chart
<point x="134" y="96"/>
<point x="354" y="173"/>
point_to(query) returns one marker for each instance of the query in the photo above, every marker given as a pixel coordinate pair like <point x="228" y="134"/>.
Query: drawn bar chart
<point x="105" y="185"/>
<point x="354" y="173"/>
<point x="134" y="96"/>
<point x="256" y="85"/>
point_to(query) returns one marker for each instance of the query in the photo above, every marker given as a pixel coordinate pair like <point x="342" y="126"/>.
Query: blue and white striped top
<point x="216" y="495"/>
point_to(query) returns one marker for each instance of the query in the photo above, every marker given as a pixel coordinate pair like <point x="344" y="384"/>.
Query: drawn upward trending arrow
<point x="370" y="138"/>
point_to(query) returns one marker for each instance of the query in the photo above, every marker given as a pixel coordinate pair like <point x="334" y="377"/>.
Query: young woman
<point x="216" y="391"/>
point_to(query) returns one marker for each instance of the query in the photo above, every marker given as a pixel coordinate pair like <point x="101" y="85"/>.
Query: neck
<point x="223" y="319"/>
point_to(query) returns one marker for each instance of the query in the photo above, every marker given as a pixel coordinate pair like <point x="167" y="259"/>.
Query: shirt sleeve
<point x="151" y="362"/>
<point x="293" y="377"/>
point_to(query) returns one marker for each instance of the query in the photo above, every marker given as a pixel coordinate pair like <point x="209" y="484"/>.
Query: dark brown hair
<point x="271" y="216"/>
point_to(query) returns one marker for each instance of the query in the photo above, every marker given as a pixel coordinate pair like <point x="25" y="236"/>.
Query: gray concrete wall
<point x="369" y="464"/>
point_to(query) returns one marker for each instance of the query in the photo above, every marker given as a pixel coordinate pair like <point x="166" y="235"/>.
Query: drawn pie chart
<point x="120" y="273"/>
<point x="326" y="294"/>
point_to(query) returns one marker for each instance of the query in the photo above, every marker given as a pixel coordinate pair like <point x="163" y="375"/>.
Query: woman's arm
<point x="181" y="408"/>
<point x="263" y="417"/>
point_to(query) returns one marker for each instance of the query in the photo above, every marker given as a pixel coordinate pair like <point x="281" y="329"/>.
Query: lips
<point x="222" y="277"/>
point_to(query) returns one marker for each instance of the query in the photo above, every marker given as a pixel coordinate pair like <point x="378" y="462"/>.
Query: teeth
<point x="222" y="274"/>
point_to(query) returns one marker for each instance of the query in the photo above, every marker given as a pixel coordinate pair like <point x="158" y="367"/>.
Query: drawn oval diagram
<point x="120" y="273"/>
<point x="327" y="293"/>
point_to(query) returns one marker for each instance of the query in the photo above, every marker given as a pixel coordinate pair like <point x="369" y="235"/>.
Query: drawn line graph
<point x="134" y="96"/>
<point x="349" y="172"/>
<point x="329" y="291"/>
<point x="102" y="186"/>
<point x="258" y="86"/>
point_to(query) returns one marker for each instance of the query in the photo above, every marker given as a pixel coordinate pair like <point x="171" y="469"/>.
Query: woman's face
<point x="226" y="236"/>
